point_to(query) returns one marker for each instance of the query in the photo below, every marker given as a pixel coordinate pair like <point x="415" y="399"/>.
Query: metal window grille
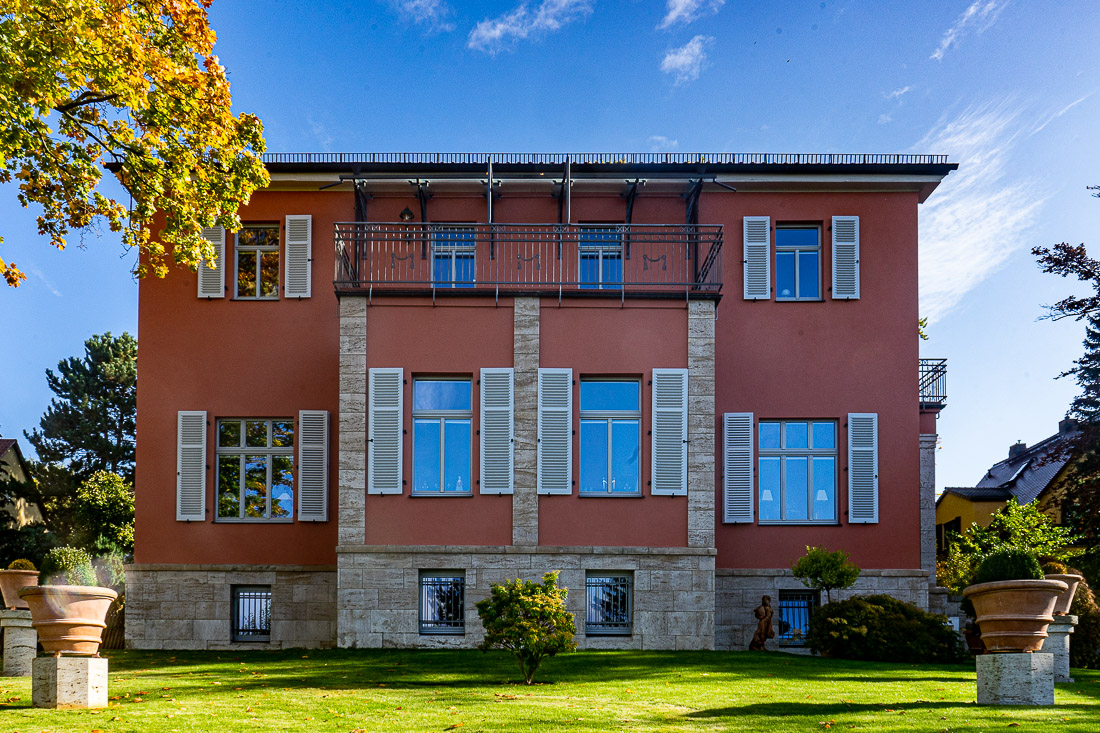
<point x="442" y="604"/>
<point x="795" y="609"/>
<point x="251" y="613"/>
<point x="609" y="606"/>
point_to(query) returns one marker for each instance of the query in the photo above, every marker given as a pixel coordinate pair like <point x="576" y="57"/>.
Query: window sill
<point x="799" y="300"/>
<point x="617" y="632"/>
<point x="778" y="523"/>
<point x="238" y="297"/>
<point x="231" y="520"/>
<point x="595" y="495"/>
<point x="437" y="494"/>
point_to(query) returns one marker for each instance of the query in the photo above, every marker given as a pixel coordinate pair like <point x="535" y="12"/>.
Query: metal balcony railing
<point x="618" y="260"/>
<point x="933" y="383"/>
<point x="609" y="158"/>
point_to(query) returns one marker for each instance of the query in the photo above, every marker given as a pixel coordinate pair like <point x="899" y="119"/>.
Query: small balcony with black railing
<point x="613" y="260"/>
<point x="932" y="384"/>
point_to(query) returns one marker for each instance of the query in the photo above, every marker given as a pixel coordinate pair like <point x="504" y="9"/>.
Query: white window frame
<point x="608" y="248"/>
<point x="796" y="249"/>
<point x="808" y="453"/>
<point x="442" y="416"/>
<point x="445" y="244"/>
<point x="609" y="416"/>
<point x="241" y="451"/>
<point x="238" y="248"/>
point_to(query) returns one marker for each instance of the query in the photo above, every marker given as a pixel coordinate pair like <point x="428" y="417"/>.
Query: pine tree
<point x="1085" y="408"/>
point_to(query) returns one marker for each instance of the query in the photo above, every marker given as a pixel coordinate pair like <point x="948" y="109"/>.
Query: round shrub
<point x="1053" y="567"/>
<point x="21" y="564"/>
<point x="1008" y="564"/>
<point x="881" y="628"/>
<point x="69" y="566"/>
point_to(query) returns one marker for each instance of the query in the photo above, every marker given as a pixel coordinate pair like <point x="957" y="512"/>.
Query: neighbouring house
<point x="13" y="467"/>
<point x="410" y="376"/>
<point x="1028" y="474"/>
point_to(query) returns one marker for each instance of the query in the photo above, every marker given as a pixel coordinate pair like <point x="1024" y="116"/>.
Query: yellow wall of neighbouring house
<point x="968" y="512"/>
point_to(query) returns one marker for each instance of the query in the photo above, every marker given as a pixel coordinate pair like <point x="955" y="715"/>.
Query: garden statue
<point x="764" y="631"/>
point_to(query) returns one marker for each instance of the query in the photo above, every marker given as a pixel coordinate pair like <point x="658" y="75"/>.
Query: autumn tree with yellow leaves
<point x="132" y="84"/>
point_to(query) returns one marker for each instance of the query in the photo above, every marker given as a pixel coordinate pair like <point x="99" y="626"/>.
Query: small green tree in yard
<point x="104" y="511"/>
<point x="823" y="570"/>
<point x="528" y="619"/>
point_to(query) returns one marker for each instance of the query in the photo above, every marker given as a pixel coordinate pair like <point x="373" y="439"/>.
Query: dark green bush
<point x="21" y="563"/>
<point x="883" y="629"/>
<point x="1010" y="563"/>
<point x="1084" y="643"/>
<point x="68" y="566"/>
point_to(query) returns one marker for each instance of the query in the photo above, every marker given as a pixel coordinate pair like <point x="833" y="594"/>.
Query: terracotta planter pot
<point x="1061" y="607"/>
<point x="69" y="618"/>
<point x="1014" y="614"/>
<point x="10" y="583"/>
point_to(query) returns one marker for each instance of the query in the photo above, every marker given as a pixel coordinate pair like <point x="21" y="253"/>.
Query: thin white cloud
<point x="434" y="14"/>
<point x="682" y="12"/>
<point x="493" y="35"/>
<point x="979" y="16"/>
<point x="1059" y="113"/>
<point x="885" y="119"/>
<point x="660" y="143"/>
<point x="688" y="61"/>
<point x="320" y="132"/>
<point x="899" y="93"/>
<point x="976" y="219"/>
<point x="45" y="281"/>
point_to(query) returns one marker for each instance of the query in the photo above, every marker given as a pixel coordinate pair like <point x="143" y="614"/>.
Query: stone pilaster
<point x="701" y="423"/>
<point x="353" y="421"/>
<point x="525" y="501"/>
<point x="20" y="642"/>
<point x="928" y="505"/>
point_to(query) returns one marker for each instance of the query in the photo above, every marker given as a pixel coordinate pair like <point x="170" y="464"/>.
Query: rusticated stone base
<point x="20" y="642"/>
<point x="673" y="591"/>
<point x="189" y="606"/>
<point x="1015" y="679"/>
<point x="69" y="682"/>
<point x="738" y="592"/>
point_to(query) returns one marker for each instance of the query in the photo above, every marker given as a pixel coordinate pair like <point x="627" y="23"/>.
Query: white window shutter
<point x="313" y="466"/>
<point x="497" y="430"/>
<point x="212" y="279"/>
<point x="191" y="466"/>
<point x="555" y="448"/>
<point x="384" y="444"/>
<point x="863" y="468"/>
<point x="845" y="258"/>
<point x="758" y="257"/>
<point x="737" y="484"/>
<point x="299" y="256"/>
<point x="670" y="413"/>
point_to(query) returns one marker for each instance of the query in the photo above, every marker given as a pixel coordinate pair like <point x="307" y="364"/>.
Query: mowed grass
<point x="468" y="691"/>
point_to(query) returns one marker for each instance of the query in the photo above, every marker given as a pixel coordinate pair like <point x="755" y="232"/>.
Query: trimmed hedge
<point x="881" y="628"/>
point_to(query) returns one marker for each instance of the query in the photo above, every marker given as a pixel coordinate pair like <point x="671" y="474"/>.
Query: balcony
<point x="933" y="384"/>
<point x="614" y="260"/>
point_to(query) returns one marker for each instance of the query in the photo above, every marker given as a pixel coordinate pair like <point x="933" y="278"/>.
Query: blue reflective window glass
<point x="441" y="272"/>
<point x="255" y="486"/>
<point x="824" y="435"/>
<point x="624" y="455"/>
<point x="796" y="489"/>
<point x="796" y="435"/>
<point x="464" y="270"/>
<point x="824" y="488"/>
<point x="769" y="436"/>
<point x="441" y="394"/>
<point x="808" y="285"/>
<point x="427" y="443"/>
<point x="456" y="458"/>
<point x="589" y="275"/>
<point x="784" y="274"/>
<point x="612" y="276"/>
<point x="610" y="396"/>
<point x="770" y="489"/>
<point x="594" y="455"/>
<point x="792" y="237"/>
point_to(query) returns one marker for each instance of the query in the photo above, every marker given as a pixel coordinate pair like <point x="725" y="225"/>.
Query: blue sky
<point x="1007" y="89"/>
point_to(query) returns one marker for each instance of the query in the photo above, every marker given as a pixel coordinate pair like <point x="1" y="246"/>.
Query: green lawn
<point x="467" y="691"/>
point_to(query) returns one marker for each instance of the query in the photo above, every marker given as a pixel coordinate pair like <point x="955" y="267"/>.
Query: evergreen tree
<point x="1085" y="408"/>
<point x="88" y="427"/>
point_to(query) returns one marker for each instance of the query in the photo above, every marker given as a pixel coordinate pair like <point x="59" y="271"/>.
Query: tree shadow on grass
<point x="825" y="710"/>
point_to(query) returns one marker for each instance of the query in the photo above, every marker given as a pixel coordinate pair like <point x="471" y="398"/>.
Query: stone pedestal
<point x="70" y="682"/>
<point x="1057" y="643"/>
<point x="1010" y="678"/>
<point x="20" y="642"/>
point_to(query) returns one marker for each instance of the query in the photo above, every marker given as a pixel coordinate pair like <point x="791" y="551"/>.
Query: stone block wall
<point x="738" y="592"/>
<point x="189" y="606"/>
<point x="673" y="595"/>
